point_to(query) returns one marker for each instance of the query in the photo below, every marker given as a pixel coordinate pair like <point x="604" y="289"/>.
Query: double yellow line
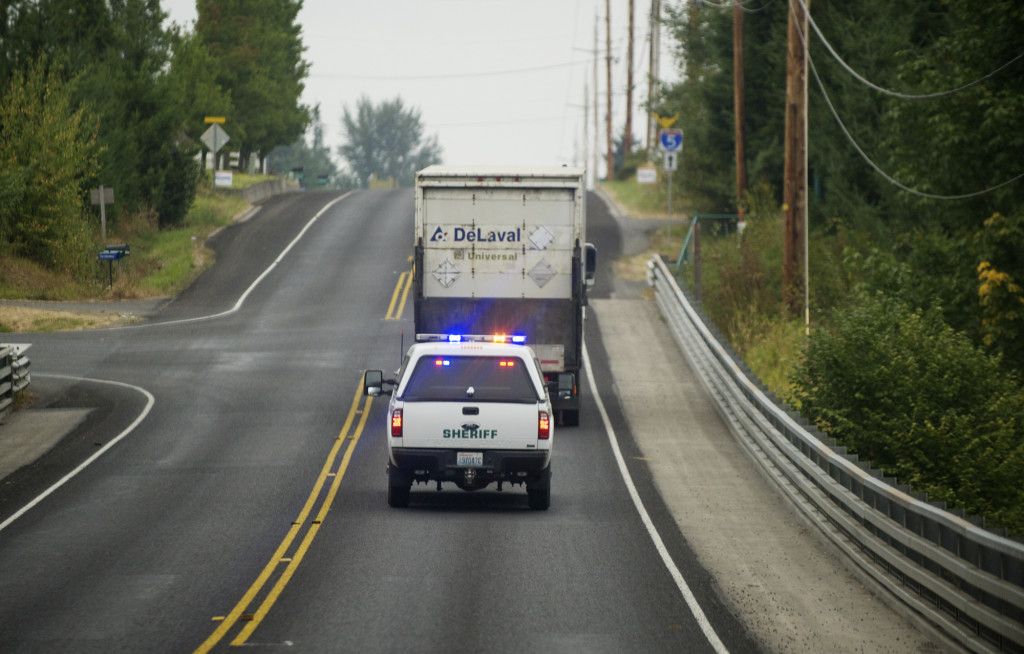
<point x="284" y="556"/>
<point x="402" y="287"/>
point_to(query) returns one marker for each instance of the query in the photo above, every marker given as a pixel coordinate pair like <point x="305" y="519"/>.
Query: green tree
<point x="386" y="142"/>
<point x="970" y="140"/>
<point x="120" y="54"/>
<point x="48" y="157"/>
<point x="194" y="86"/>
<point x="314" y="158"/>
<point x="147" y="158"/>
<point x="703" y="101"/>
<point x="258" y="47"/>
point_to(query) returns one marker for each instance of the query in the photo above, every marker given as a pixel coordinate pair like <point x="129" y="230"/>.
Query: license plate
<point x="470" y="458"/>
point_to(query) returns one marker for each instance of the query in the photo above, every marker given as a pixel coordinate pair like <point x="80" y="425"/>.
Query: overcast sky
<point x="498" y="81"/>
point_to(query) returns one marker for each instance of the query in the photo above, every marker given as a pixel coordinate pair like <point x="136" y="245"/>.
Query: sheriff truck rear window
<point x="460" y="378"/>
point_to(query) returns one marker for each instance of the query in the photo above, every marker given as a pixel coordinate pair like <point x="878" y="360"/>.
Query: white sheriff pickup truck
<point x="471" y="410"/>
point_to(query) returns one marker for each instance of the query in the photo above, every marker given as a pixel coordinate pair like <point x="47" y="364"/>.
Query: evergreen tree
<point x="314" y="158"/>
<point x="258" y="47"/>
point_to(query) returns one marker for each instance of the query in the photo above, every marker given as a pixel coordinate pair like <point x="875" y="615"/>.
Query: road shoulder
<point x="781" y="581"/>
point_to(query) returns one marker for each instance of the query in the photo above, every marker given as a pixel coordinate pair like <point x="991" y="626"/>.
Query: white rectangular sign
<point x="671" y="159"/>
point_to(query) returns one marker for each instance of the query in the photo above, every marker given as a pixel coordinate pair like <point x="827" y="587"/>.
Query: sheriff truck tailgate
<point x="476" y="425"/>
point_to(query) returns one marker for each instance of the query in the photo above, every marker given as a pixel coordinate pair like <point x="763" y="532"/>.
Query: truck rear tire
<point x="538" y="491"/>
<point x="399" y="486"/>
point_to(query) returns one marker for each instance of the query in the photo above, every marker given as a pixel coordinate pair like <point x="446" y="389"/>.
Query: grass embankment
<point x="163" y="262"/>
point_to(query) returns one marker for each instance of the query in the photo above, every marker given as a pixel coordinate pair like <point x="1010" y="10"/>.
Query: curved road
<point x="248" y="505"/>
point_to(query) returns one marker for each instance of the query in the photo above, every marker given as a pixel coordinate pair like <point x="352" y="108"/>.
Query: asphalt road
<point x="247" y="505"/>
<point x="227" y="490"/>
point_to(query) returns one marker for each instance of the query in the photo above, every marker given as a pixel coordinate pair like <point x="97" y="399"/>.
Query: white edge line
<point x="150" y="401"/>
<point x="252" y="287"/>
<point x="684" y="588"/>
<point x="149" y="396"/>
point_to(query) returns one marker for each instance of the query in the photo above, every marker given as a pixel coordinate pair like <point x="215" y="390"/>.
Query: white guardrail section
<point x="14" y="374"/>
<point x="964" y="580"/>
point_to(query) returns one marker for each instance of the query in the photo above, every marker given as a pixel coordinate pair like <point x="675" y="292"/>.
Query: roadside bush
<point x="48" y="155"/>
<point x="177" y="188"/>
<point x="904" y="390"/>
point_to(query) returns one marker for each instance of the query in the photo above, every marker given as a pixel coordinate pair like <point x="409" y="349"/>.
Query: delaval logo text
<point x="479" y="235"/>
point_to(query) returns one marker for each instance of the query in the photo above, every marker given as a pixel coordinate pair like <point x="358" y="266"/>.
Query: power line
<point x="876" y="167"/>
<point x="406" y="78"/>
<point x="897" y="94"/>
<point x="731" y="5"/>
<point x="486" y="123"/>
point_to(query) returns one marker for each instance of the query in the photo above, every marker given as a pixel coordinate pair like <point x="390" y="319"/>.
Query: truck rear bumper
<point x="436" y="464"/>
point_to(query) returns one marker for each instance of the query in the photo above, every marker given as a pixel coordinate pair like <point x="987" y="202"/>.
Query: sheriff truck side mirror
<point x="373" y="383"/>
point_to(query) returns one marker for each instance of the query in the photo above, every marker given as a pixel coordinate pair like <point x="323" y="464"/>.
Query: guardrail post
<point x="14" y="374"/>
<point x="6" y="386"/>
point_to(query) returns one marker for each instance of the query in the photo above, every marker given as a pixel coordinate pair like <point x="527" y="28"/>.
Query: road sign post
<point x="113" y="253"/>
<point x="671" y="142"/>
<point x="102" y="196"/>
<point x="215" y="138"/>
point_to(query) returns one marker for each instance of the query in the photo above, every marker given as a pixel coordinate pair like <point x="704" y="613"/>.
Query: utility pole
<point x="652" y="79"/>
<point x="794" y="192"/>
<point x="739" y="102"/>
<point x="597" y="110"/>
<point x="586" y="131"/>
<point x="610" y="152"/>
<point x="627" y="138"/>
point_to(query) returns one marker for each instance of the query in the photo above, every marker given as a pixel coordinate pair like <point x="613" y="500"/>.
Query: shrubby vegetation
<point x="907" y="392"/>
<point x="48" y="149"/>
<point x="916" y="353"/>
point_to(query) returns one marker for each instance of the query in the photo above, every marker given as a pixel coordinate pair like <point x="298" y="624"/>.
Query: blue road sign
<point x="671" y="139"/>
<point x="115" y="252"/>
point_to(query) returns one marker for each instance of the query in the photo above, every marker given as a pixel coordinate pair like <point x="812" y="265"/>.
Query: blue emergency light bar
<point x="517" y="339"/>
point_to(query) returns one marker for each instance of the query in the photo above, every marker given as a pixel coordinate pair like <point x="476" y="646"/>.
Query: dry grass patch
<point x="31" y="319"/>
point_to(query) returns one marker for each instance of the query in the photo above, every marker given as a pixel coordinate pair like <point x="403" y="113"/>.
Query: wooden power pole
<point x="794" y="192"/>
<point x="597" y="105"/>
<point x="653" y="74"/>
<point x="627" y="138"/>
<point x="610" y="152"/>
<point x="739" y="102"/>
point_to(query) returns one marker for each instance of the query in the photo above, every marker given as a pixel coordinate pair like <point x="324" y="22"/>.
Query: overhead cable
<point x="876" y="167"/>
<point x="404" y="78"/>
<point x="897" y="94"/>
<point x="731" y="5"/>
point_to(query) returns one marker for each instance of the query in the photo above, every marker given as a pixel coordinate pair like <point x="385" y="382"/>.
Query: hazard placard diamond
<point x="542" y="273"/>
<point x="446" y="273"/>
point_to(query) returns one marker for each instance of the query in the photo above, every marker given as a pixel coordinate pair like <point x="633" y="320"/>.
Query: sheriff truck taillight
<point x="396" y="423"/>
<point x="543" y="426"/>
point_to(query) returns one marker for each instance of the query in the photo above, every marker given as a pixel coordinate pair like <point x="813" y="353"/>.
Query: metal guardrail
<point x="962" y="579"/>
<point x="14" y="374"/>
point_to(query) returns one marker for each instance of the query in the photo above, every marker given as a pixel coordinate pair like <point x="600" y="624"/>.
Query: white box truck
<point x="503" y="250"/>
